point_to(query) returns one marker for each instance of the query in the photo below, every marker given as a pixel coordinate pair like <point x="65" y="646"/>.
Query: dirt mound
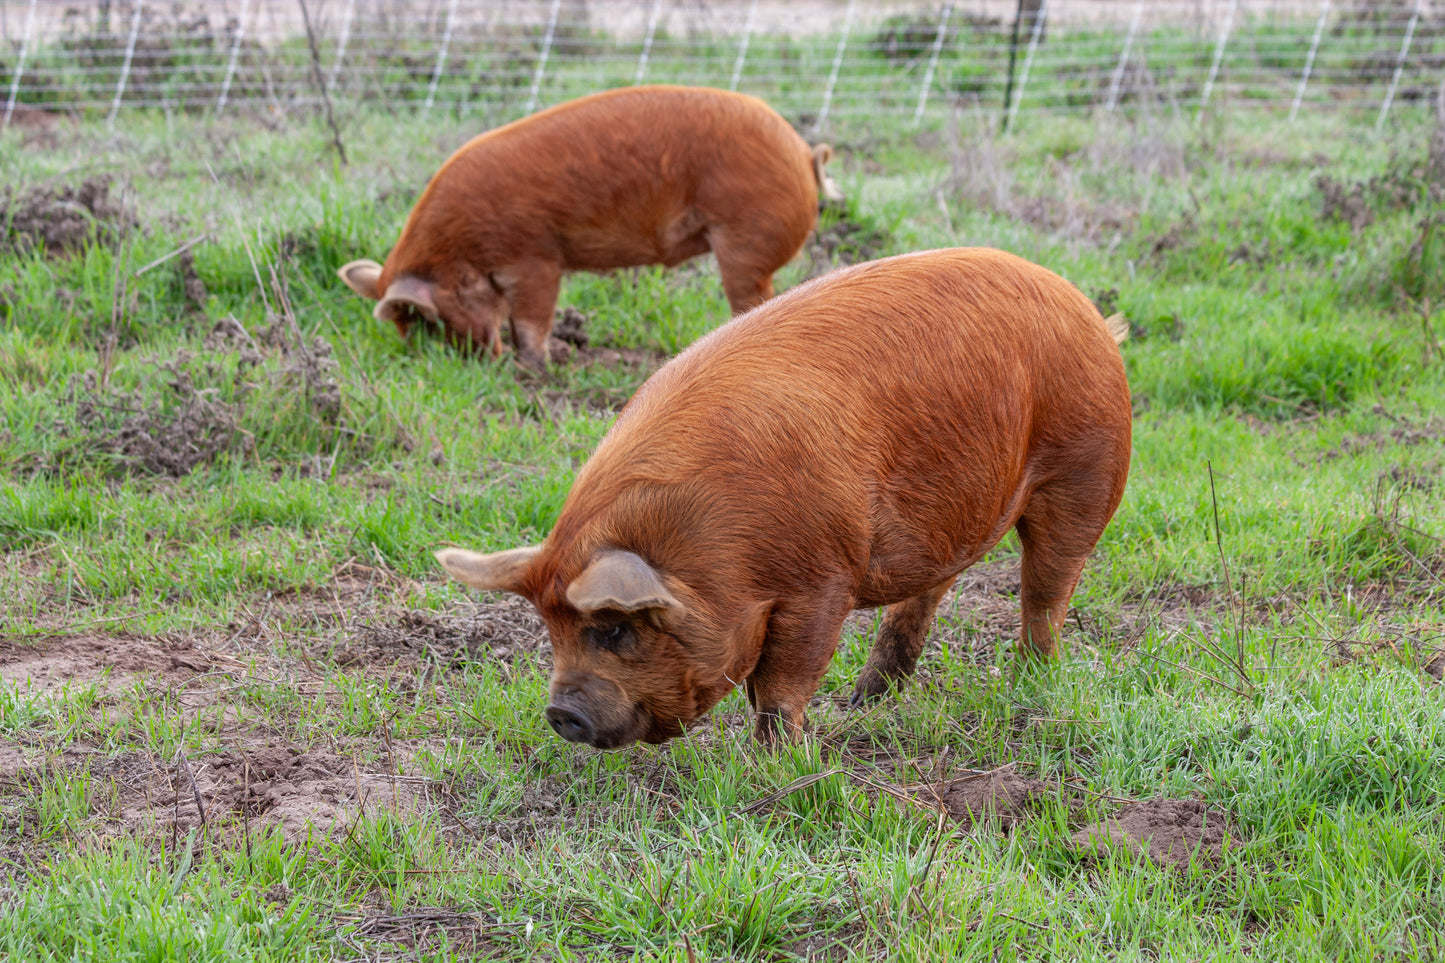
<point x="1001" y="793"/>
<point x="64" y="219"/>
<point x="502" y="631"/>
<point x="188" y="411"/>
<point x="168" y="433"/>
<point x="1168" y="831"/>
<point x="85" y="658"/>
<point x="570" y="345"/>
<point x="258" y="788"/>
<point x="1359" y="203"/>
<point x="842" y="238"/>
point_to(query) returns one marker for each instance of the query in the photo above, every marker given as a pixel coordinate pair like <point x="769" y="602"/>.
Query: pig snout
<point x="570" y="723"/>
<point x="593" y="711"/>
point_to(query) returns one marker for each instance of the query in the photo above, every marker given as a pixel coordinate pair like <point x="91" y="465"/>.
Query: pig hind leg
<point x="1058" y="530"/>
<point x="746" y="265"/>
<point x="900" y="641"/>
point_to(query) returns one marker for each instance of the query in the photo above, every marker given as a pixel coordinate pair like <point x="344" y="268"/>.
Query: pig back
<point x="610" y="180"/>
<point x="883" y="424"/>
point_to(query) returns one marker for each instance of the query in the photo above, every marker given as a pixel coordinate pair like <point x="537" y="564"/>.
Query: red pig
<point x="857" y="442"/>
<point x="640" y="175"/>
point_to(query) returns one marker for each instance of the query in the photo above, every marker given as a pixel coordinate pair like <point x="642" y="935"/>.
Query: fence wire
<point x="815" y="60"/>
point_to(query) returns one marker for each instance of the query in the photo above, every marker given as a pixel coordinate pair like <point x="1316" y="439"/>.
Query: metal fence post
<point x="231" y="61"/>
<point x="341" y="43"/>
<point x="1118" y="80"/>
<point x="837" y="65"/>
<point x="1218" y="54"/>
<point x="436" y="74"/>
<point x="19" y="65"/>
<point x="1400" y="64"/>
<point x="1299" y="95"/>
<point x="125" y="64"/>
<point x="743" y="45"/>
<point x="647" y="41"/>
<point x="932" y="63"/>
<point x="542" y="57"/>
<point x="1038" y="32"/>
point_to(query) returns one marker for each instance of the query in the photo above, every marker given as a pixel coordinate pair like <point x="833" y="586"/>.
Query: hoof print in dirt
<point x="62" y="220"/>
<point x="1170" y="832"/>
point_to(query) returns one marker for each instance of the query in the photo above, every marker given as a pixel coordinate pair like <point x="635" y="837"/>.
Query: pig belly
<point x="917" y="545"/>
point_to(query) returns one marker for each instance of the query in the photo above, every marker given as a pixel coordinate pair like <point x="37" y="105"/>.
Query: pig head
<point x="469" y="305"/>
<point x="637" y="654"/>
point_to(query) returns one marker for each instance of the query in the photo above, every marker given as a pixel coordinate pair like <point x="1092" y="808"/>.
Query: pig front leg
<point x="796" y="651"/>
<point x="895" y="653"/>
<point x="531" y="290"/>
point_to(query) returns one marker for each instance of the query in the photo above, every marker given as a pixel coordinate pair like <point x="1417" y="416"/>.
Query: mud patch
<point x="504" y="632"/>
<point x="1405" y="433"/>
<point x="1170" y="832"/>
<point x="85" y="659"/>
<point x="1434" y="666"/>
<point x="63" y="220"/>
<point x="252" y="789"/>
<point x="185" y="412"/>
<point x="428" y="929"/>
<point x="192" y="286"/>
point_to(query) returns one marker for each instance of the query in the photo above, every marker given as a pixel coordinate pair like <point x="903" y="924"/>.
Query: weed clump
<point x="63" y="220"/>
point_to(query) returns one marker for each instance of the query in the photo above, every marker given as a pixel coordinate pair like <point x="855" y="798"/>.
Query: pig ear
<point x="361" y="277"/>
<point x="500" y="571"/>
<point x="404" y="295"/>
<point x="623" y="582"/>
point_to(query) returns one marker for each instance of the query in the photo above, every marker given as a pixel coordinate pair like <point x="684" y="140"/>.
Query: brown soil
<point x="1170" y="832"/>
<point x="64" y="219"/>
<point x="176" y="420"/>
<point x="82" y="659"/>
<point x="191" y="283"/>
<point x="270" y="786"/>
<point x="254" y="788"/>
<point x="845" y="241"/>
<point x="1434" y="665"/>
<point x="165" y="432"/>
<point x="1358" y="204"/>
<point x="1405" y="433"/>
<point x="1001" y="793"/>
<point x="571" y="345"/>
<point x="503" y="631"/>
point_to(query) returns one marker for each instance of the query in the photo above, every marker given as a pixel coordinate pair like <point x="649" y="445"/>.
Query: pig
<point x="640" y="175"/>
<point x="856" y="442"/>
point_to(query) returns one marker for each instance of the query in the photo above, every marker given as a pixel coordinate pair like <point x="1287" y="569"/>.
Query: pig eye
<point x="610" y="637"/>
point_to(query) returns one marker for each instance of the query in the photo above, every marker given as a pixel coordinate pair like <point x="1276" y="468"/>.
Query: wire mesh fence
<point x="815" y="60"/>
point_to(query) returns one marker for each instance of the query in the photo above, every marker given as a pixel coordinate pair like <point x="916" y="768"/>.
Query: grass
<point x="214" y="636"/>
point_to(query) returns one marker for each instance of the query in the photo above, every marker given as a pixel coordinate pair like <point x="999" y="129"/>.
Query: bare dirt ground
<point x="1170" y="832"/>
<point x="254" y="780"/>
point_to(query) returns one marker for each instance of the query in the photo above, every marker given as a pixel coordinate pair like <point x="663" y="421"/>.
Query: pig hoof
<point x="774" y="729"/>
<point x="870" y="688"/>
